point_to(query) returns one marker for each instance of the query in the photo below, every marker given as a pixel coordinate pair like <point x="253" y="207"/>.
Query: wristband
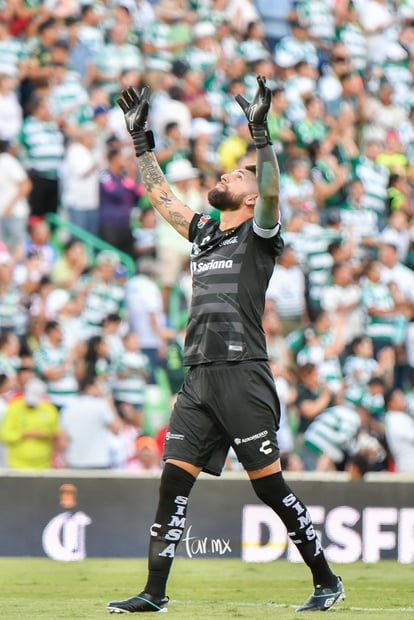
<point x="260" y="135"/>
<point x="143" y="141"/>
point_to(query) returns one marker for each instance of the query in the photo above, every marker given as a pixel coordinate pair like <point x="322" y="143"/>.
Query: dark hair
<point x="357" y="341"/>
<point x="3" y="379"/>
<point x="360" y="461"/>
<point x="111" y="318"/>
<point x="346" y="76"/>
<point x="70" y="243"/>
<point x="394" y="178"/>
<point x="86" y="381"/>
<point x="335" y="245"/>
<point x="318" y="313"/>
<point x="170" y="125"/>
<point x="50" y="22"/>
<point x="35" y="102"/>
<point x="91" y="354"/>
<point x="299" y="65"/>
<point x="61" y="44"/>
<point x="377" y="381"/>
<point x="309" y="99"/>
<point x="313" y="148"/>
<point x="50" y="326"/>
<point x="389" y="395"/>
<point x="306" y="370"/>
<point x="85" y="8"/>
<point x="179" y="68"/>
<point x="112" y="153"/>
<point x="278" y="90"/>
<point x="250" y="27"/>
<point x="45" y="281"/>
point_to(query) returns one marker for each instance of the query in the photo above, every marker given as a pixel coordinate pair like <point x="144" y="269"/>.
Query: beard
<point x="222" y="200"/>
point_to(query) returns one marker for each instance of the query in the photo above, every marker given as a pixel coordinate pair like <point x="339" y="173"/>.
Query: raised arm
<point x="266" y="212"/>
<point x="135" y="108"/>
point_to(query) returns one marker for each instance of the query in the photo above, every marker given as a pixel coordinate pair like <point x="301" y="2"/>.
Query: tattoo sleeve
<point x="266" y="213"/>
<point x="161" y="195"/>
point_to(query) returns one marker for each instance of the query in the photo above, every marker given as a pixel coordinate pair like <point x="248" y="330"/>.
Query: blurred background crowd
<point x="95" y="288"/>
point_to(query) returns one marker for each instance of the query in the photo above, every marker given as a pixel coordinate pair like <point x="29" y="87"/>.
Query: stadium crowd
<point x="91" y="354"/>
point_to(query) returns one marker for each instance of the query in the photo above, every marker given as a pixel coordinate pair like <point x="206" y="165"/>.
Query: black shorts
<point x="223" y="405"/>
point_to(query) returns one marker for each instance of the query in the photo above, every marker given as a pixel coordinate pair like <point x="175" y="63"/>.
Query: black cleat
<point x="323" y="599"/>
<point x="141" y="602"/>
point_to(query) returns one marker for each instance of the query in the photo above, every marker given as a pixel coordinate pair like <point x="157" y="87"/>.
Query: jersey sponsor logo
<point x="197" y="246"/>
<point x="266" y="447"/>
<point x="229" y="241"/>
<point x="240" y="440"/>
<point x="169" y="436"/>
<point x="212" y="265"/>
<point x="235" y="347"/>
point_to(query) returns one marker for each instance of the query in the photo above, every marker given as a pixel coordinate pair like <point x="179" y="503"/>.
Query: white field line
<point x="285" y="606"/>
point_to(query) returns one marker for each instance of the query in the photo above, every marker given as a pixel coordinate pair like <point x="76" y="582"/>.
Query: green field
<point x="34" y="588"/>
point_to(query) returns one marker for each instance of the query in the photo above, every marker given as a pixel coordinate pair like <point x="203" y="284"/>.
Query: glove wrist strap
<point x="260" y="135"/>
<point x="143" y="141"/>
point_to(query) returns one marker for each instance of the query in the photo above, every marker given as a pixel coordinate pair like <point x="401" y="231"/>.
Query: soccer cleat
<point x="141" y="602"/>
<point x="323" y="599"/>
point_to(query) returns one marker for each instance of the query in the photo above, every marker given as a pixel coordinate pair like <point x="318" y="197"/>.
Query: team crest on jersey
<point x="203" y="220"/>
<point x="197" y="246"/>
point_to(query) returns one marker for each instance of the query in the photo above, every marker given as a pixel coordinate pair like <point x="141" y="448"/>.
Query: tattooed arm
<point x="135" y="107"/>
<point x="161" y="195"/>
<point x="266" y="212"/>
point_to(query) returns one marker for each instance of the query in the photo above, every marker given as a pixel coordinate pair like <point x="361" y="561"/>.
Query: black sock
<point x="166" y="531"/>
<point x="276" y="494"/>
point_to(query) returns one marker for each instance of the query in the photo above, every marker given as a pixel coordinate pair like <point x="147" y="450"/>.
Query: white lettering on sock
<point x="310" y="533"/>
<point x="177" y="521"/>
<point x="168" y="552"/>
<point x="173" y="535"/>
<point x="305" y="520"/>
<point x="176" y="526"/>
<point x="153" y="529"/>
<point x="180" y="499"/>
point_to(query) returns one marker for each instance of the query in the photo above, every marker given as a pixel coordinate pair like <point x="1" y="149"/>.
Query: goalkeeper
<point x="228" y="397"/>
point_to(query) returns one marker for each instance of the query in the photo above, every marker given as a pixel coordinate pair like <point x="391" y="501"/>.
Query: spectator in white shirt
<point x="14" y="208"/>
<point x="392" y="270"/>
<point x="145" y="315"/>
<point x="399" y="431"/>
<point x="343" y="296"/>
<point x="80" y="187"/>
<point x="11" y="114"/>
<point x="89" y="422"/>
<point x="287" y="290"/>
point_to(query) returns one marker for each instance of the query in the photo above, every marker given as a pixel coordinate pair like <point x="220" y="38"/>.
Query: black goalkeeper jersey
<point x="230" y="270"/>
